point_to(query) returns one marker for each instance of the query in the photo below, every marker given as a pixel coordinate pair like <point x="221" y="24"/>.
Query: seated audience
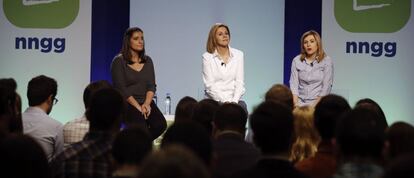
<point x="402" y="167"/>
<point x="92" y="156"/>
<point x="75" y="130"/>
<point x="374" y="106"/>
<point x="306" y="137"/>
<point x="10" y="108"/>
<point x="173" y="161"/>
<point x="327" y="112"/>
<point x="22" y="157"/>
<point x="233" y="152"/>
<point x="280" y="93"/>
<point x="399" y="139"/>
<point x="184" y="109"/>
<point x="130" y="147"/>
<point x="359" y="142"/>
<point x="272" y="125"/>
<point x="41" y="93"/>
<point x="192" y="135"/>
<point x="204" y="113"/>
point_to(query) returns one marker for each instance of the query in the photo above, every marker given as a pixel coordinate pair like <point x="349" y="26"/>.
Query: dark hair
<point x="374" y="106"/>
<point x="8" y="82"/>
<point x="402" y="167"/>
<point x="204" y="113"/>
<point x="92" y="88"/>
<point x="105" y="109"/>
<point x="131" y="145"/>
<point x="192" y="135"/>
<point x="173" y="161"/>
<point x="22" y="153"/>
<point x="280" y="93"/>
<point x="401" y="139"/>
<point x="272" y="126"/>
<point x="40" y="88"/>
<point x="185" y="108"/>
<point x="126" y="46"/>
<point x="10" y="106"/>
<point x="230" y="117"/>
<point x="327" y="112"/>
<point x="359" y="133"/>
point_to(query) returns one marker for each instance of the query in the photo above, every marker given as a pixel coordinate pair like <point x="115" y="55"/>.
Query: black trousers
<point x="155" y="123"/>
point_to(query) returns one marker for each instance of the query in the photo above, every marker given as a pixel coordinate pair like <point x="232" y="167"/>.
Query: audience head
<point x="105" y="109"/>
<point x="204" y="113"/>
<point x="22" y="157"/>
<point x="192" y="135"/>
<point x="173" y="161"/>
<point x="92" y="88"/>
<point x="272" y="126"/>
<point x="327" y="112"/>
<point x="184" y="109"/>
<point x="9" y="83"/>
<point x="280" y="93"/>
<point x="10" y="107"/>
<point x="230" y="117"/>
<point x="131" y="146"/>
<point x="374" y="106"/>
<point x="131" y="37"/>
<point x="216" y="30"/>
<point x="306" y="137"/>
<point x="359" y="134"/>
<point x="400" y="138"/>
<point x="402" y="167"/>
<point x="40" y="90"/>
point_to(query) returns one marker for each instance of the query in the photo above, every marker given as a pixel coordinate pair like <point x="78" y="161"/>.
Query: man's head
<point x="359" y="134"/>
<point x="272" y="125"/>
<point x="42" y="90"/>
<point x="192" y="135"/>
<point x="230" y="117"/>
<point x="328" y="110"/>
<point x="105" y="109"/>
<point x="92" y="88"/>
<point x="131" y="146"/>
<point x="280" y="93"/>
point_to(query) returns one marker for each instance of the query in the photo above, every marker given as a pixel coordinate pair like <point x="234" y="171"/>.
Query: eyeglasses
<point x="55" y="101"/>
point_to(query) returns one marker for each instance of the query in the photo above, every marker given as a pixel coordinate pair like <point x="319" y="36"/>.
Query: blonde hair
<point x="320" y="53"/>
<point x="306" y="137"/>
<point x="211" y="41"/>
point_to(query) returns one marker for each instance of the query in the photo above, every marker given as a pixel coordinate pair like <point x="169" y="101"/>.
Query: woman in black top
<point x="133" y="75"/>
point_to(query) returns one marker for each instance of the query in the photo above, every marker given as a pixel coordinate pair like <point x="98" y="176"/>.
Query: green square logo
<point x="372" y="16"/>
<point x="41" y="13"/>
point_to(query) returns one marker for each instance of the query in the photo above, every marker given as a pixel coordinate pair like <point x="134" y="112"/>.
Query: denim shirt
<point x="309" y="81"/>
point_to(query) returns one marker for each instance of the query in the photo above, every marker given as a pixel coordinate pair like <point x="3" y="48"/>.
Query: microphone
<point x="223" y="64"/>
<point x="312" y="64"/>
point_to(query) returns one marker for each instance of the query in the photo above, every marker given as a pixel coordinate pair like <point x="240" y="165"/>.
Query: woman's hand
<point x="139" y="108"/>
<point x="146" y="108"/>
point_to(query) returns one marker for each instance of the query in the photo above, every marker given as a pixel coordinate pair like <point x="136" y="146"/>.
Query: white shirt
<point x="45" y="130"/>
<point x="224" y="82"/>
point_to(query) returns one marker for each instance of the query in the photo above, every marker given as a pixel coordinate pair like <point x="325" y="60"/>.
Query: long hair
<point x="126" y="46"/>
<point x="320" y="53"/>
<point x="306" y="137"/>
<point x="211" y="41"/>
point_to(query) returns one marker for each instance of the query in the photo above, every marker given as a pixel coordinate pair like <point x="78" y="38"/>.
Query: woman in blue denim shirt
<point x="312" y="71"/>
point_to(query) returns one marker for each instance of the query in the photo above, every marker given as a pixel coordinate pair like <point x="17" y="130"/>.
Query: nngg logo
<point x="45" y="44"/>
<point x="372" y="16"/>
